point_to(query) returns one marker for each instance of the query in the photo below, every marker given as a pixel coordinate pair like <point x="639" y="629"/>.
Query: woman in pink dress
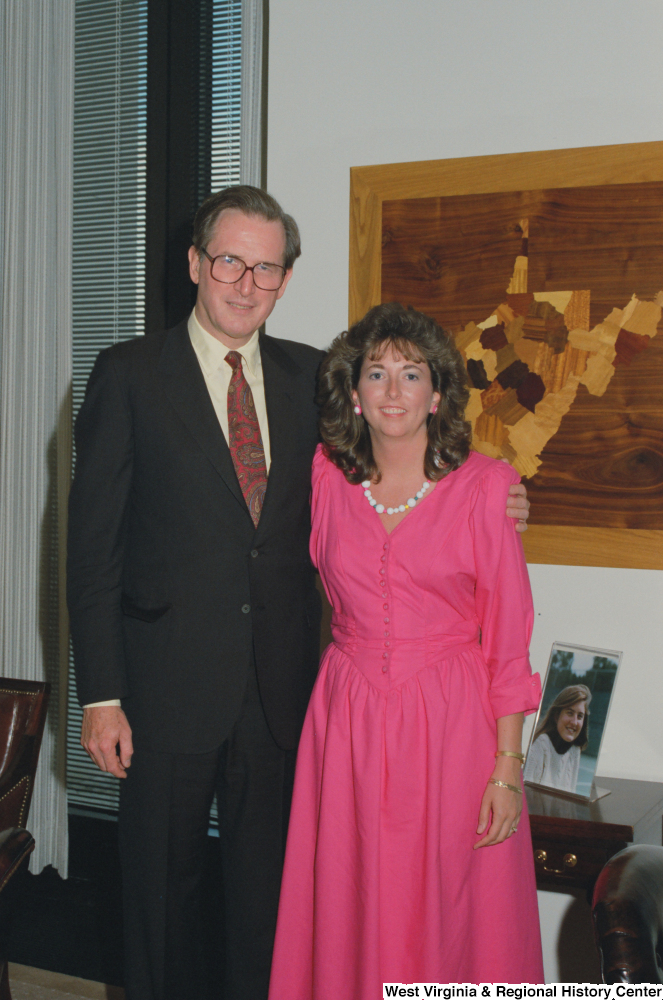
<point x="408" y="856"/>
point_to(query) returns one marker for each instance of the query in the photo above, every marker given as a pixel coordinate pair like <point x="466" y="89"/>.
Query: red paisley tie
<point x="245" y="442"/>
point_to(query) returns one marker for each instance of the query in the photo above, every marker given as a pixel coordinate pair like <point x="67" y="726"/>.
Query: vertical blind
<point x="110" y="139"/>
<point x="36" y="109"/>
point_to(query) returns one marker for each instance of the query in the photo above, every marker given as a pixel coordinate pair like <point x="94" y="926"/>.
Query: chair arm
<point x="627" y="911"/>
<point x="15" y="845"/>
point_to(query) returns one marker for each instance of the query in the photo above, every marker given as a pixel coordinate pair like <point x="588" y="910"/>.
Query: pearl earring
<point x="358" y="410"/>
<point x="434" y="410"/>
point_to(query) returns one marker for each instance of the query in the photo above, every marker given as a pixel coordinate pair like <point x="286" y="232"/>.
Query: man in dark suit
<point x="194" y="614"/>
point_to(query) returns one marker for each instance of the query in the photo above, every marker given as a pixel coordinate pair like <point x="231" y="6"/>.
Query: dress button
<point x="382" y="572"/>
<point x="385" y="655"/>
<point x="386" y="621"/>
<point x="387" y="633"/>
<point x="386" y="545"/>
<point x="246" y="608"/>
<point x="387" y="643"/>
<point x="383" y="558"/>
<point x="384" y="670"/>
<point x="254" y="553"/>
<point x="385" y="607"/>
<point x="385" y="595"/>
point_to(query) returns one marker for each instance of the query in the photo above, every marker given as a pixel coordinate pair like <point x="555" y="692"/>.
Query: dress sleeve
<point x="503" y="597"/>
<point x="319" y="497"/>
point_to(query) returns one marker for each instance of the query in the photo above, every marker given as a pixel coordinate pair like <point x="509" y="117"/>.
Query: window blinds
<point x="226" y="30"/>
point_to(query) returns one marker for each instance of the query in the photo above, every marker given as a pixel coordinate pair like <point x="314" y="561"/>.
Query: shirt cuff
<point x="113" y="703"/>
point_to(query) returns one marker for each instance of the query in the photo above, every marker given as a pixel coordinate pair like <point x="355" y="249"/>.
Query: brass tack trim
<point x="25" y="778"/>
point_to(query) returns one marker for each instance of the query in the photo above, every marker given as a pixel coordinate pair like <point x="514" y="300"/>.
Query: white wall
<point x="355" y="82"/>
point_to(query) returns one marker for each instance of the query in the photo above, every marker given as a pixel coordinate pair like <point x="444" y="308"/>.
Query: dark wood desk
<point x="572" y="841"/>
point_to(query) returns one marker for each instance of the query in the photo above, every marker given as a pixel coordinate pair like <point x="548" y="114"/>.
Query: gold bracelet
<point x="503" y="784"/>
<point x="511" y="753"/>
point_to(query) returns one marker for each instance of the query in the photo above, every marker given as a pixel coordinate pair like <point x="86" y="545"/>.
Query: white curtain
<point x="252" y="87"/>
<point x="36" y="140"/>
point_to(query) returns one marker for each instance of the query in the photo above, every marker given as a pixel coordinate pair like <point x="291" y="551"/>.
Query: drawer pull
<point x="569" y="861"/>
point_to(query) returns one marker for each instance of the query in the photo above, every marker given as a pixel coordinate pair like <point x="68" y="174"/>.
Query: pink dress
<point x="380" y="881"/>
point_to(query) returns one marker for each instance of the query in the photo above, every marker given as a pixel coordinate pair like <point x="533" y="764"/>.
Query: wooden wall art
<point x="548" y="269"/>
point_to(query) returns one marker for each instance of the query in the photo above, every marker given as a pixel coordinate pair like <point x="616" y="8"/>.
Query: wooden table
<point x="573" y="840"/>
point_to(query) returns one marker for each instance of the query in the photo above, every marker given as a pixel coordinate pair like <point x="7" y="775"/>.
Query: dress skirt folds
<point x="431" y="625"/>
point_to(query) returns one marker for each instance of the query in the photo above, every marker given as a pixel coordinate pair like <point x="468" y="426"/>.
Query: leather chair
<point x="15" y="846"/>
<point x="23" y="707"/>
<point x="627" y="911"/>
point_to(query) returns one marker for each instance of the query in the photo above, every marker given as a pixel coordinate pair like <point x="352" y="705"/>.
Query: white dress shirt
<point x="211" y="354"/>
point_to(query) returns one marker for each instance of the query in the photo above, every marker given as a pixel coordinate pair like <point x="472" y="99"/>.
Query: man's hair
<point x="251" y="201"/>
<point x="417" y="338"/>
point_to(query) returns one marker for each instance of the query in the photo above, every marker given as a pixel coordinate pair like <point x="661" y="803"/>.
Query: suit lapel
<point x="280" y="374"/>
<point x="185" y="387"/>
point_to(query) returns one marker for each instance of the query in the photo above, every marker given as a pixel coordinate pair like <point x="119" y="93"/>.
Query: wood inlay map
<point x="555" y="299"/>
<point x="527" y="360"/>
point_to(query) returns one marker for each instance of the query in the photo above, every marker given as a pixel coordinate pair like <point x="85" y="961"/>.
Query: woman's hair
<point x="417" y="338"/>
<point x="567" y="696"/>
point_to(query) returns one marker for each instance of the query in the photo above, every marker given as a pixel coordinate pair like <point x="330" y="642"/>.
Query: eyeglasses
<point x="229" y="269"/>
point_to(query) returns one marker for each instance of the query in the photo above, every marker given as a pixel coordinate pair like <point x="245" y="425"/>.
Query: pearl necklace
<point x="380" y="508"/>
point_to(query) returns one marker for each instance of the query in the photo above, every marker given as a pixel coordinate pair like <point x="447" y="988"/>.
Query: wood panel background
<point x="443" y="236"/>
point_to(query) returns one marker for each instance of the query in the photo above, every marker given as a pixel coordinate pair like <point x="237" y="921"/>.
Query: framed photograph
<point x="547" y="268"/>
<point x="566" y="738"/>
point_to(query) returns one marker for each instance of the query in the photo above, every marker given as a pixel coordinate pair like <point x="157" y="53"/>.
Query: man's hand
<point x="103" y="729"/>
<point x="517" y="505"/>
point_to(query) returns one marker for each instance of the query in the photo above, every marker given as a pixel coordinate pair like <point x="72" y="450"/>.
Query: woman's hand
<point x="500" y="807"/>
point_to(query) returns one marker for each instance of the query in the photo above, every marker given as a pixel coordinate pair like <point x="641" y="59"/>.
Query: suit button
<point x="246" y="608"/>
<point x="254" y="553"/>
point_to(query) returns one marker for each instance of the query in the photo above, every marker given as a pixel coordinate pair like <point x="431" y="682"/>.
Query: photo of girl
<point x="554" y="757"/>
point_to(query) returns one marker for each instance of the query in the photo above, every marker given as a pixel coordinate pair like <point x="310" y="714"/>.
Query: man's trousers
<point x="164" y="817"/>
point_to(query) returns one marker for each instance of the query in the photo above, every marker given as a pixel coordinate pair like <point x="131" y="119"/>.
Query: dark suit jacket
<point x="172" y="591"/>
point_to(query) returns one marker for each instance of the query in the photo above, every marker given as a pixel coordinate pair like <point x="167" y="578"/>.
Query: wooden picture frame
<point x="590" y="167"/>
